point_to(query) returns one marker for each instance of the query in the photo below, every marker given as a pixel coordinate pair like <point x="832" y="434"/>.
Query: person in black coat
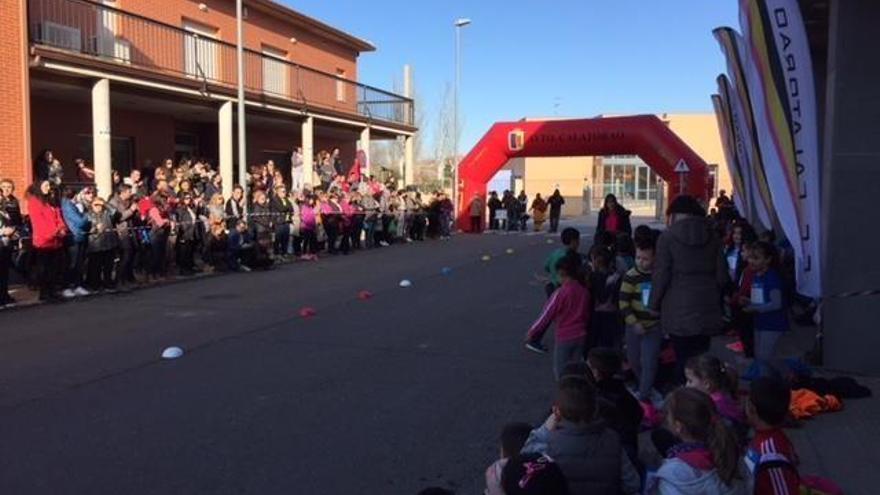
<point x="613" y="218"/>
<point x="555" y="201"/>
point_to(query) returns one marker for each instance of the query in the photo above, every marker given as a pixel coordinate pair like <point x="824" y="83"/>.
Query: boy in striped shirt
<point x="643" y="335"/>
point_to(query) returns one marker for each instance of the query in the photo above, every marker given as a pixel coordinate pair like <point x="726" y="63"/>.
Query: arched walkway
<point x="643" y="135"/>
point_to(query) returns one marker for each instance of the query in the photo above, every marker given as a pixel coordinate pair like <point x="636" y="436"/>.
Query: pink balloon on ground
<point x="307" y="312"/>
<point x="364" y="295"/>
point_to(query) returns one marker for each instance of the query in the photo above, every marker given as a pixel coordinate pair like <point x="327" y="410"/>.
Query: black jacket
<point x="622" y="214"/>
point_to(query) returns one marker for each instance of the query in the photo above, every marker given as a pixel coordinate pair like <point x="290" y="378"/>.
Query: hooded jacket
<point x="589" y="455"/>
<point x="689" y="275"/>
<point x="676" y="477"/>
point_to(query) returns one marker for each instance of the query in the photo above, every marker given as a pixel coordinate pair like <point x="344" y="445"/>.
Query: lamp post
<point x="459" y="23"/>
<point x="242" y="152"/>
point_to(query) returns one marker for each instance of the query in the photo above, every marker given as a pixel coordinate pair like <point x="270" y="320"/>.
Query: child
<point x="571" y="241"/>
<point x="588" y="452"/>
<point x="741" y="235"/>
<point x="533" y="474"/>
<point x="604" y="287"/>
<point x="770" y="316"/>
<point x="620" y="410"/>
<point x="742" y="321"/>
<point x="771" y="458"/>
<point x="707" y="460"/>
<point x="625" y="251"/>
<point x="643" y="334"/>
<point x="710" y="375"/>
<point x="513" y="437"/>
<point x="569" y="305"/>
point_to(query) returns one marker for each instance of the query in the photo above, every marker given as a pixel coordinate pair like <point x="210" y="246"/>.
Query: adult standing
<point x="613" y="218"/>
<point x="510" y="208"/>
<point x="689" y="276"/>
<point x="75" y="209"/>
<point x="477" y="210"/>
<point x="124" y="210"/>
<point x="336" y="160"/>
<point x="494" y="205"/>
<point x="522" y="208"/>
<point x="49" y="232"/>
<point x="539" y="212"/>
<point x="296" y="169"/>
<point x="10" y="222"/>
<point x="555" y="201"/>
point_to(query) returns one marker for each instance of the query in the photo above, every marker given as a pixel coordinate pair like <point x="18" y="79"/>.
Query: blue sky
<point x="572" y="58"/>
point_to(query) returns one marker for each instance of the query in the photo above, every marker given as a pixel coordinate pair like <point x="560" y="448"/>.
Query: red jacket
<point x="47" y="224"/>
<point x="570" y="307"/>
<point x="768" y="446"/>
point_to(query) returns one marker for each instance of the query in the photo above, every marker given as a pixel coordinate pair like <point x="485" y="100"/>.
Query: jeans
<point x="643" y="354"/>
<point x="5" y="262"/>
<point x="554" y="222"/>
<point x="296" y="176"/>
<point x="125" y="270"/>
<point x="765" y="350"/>
<point x="185" y="261"/>
<point x="685" y="348"/>
<point x="100" y="270"/>
<point x="475" y="225"/>
<point x="566" y="352"/>
<point x="158" y="247"/>
<point x="282" y="238"/>
<point x="76" y="258"/>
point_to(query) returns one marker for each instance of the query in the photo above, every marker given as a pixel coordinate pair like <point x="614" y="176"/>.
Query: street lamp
<point x="459" y="23"/>
<point x="239" y="47"/>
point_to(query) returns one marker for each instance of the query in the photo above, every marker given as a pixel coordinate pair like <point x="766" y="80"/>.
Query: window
<point x="200" y="51"/>
<point x="121" y="152"/>
<point x="275" y="71"/>
<point x="340" y="85"/>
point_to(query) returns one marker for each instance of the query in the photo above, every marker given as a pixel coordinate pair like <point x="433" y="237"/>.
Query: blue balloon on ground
<point x="446" y="270"/>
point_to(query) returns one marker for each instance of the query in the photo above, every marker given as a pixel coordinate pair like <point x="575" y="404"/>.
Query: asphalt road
<point x="406" y="390"/>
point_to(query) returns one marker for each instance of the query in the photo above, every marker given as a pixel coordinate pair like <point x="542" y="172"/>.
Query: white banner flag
<point x="732" y="46"/>
<point x="780" y="77"/>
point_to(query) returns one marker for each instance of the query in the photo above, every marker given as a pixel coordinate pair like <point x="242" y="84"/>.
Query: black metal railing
<point x="83" y="27"/>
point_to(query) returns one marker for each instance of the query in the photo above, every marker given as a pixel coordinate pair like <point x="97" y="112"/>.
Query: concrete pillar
<point x="409" y="171"/>
<point x="225" y="139"/>
<point x="308" y="146"/>
<point x="101" y="138"/>
<point x="851" y="154"/>
<point x="364" y="145"/>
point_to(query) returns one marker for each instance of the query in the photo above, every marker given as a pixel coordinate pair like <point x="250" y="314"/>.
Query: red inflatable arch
<point x="643" y="135"/>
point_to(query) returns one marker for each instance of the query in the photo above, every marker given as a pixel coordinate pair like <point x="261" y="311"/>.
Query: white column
<point x="308" y="146"/>
<point x="101" y="137"/>
<point x="364" y="144"/>
<point x="224" y="143"/>
<point x="409" y="172"/>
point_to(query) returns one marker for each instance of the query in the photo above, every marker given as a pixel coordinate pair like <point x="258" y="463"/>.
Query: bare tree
<point x="391" y="153"/>
<point x="444" y="137"/>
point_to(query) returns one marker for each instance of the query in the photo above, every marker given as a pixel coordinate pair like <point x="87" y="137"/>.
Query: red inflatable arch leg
<point x="643" y="135"/>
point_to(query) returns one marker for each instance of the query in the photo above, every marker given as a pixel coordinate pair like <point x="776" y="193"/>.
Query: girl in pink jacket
<point x="569" y="306"/>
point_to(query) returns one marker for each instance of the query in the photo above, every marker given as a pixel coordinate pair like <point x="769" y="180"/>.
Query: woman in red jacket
<point x="49" y="232"/>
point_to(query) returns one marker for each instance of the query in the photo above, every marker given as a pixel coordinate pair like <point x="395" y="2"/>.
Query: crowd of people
<point x="512" y="212"/>
<point x="634" y="319"/>
<point x="175" y="218"/>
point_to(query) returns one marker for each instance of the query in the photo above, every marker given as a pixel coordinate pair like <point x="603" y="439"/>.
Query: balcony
<point x="104" y="34"/>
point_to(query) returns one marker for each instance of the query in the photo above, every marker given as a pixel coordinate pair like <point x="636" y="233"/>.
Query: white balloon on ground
<point x="405" y="283"/>
<point x="172" y="352"/>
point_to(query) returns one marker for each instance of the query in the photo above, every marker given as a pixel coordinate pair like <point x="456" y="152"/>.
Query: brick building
<point x="128" y="83"/>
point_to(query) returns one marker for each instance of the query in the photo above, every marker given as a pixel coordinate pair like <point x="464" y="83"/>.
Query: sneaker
<point x="536" y="347"/>
<point x="81" y="291"/>
<point x="68" y="293"/>
<point x="384" y="244"/>
<point x="244" y="268"/>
